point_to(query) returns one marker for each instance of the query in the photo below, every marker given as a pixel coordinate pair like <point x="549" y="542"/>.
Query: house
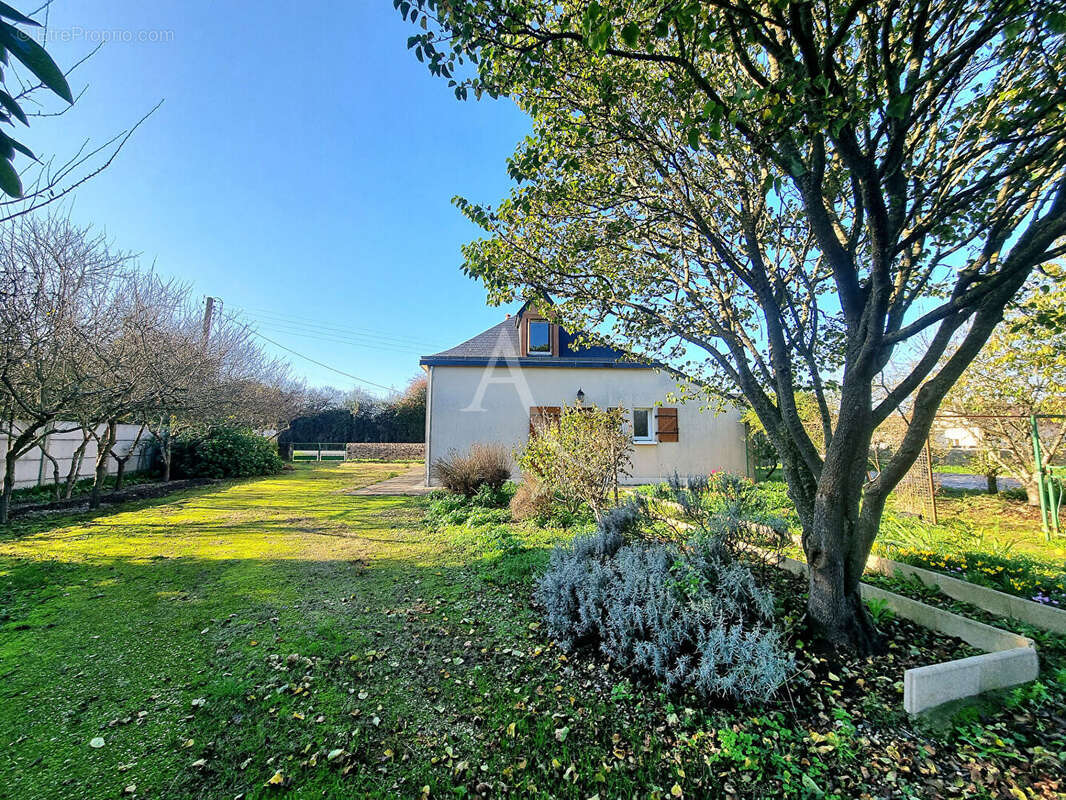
<point x="495" y="387"/>
<point x="953" y="433"/>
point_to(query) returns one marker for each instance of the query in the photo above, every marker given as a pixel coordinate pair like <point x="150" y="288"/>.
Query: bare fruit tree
<point x="223" y="378"/>
<point x="90" y="342"/>
<point x="129" y="364"/>
<point x="57" y="282"/>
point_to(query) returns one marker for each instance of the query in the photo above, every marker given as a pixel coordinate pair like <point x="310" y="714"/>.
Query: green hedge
<point x="225" y="453"/>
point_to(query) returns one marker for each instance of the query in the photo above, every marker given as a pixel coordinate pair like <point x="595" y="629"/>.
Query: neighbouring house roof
<point x="501" y="343"/>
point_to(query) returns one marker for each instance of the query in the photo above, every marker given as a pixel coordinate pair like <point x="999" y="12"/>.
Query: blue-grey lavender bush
<point x="690" y="615"/>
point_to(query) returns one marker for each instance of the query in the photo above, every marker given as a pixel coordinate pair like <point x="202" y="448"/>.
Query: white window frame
<point x="529" y="338"/>
<point x="650" y="438"/>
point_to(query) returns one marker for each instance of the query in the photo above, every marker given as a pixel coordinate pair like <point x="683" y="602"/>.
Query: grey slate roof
<point x="486" y="344"/>
<point x="500" y="343"/>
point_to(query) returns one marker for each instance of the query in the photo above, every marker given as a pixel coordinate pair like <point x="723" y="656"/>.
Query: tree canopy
<point x="774" y="198"/>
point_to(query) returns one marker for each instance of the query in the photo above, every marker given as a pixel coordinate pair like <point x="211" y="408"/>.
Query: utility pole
<point x="209" y="310"/>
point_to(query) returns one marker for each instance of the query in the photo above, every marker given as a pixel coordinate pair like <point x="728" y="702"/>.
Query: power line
<point x="321" y="364"/>
<point x="355" y="341"/>
<point x="330" y="331"/>
<point x="349" y="330"/>
<point x="254" y="332"/>
<point x="383" y="346"/>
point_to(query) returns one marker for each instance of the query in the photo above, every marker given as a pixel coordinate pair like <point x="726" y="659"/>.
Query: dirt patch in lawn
<point x="144" y="491"/>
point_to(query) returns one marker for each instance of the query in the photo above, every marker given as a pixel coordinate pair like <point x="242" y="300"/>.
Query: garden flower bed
<point x="960" y="548"/>
<point x="1017" y="575"/>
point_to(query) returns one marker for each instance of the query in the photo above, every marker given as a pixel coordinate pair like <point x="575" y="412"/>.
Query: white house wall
<point x="707" y="441"/>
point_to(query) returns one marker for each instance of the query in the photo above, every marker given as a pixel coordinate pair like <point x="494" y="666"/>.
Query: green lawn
<point x="1005" y="520"/>
<point x="297" y="612"/>
<point x="282" y="637"/>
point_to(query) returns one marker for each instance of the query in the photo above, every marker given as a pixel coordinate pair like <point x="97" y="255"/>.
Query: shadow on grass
<point x="120" y="647"/>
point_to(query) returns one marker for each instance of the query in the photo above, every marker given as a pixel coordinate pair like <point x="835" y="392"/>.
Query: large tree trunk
<point x="836" y="549"/>
<point x="9" y="485"/>
<point x="1032" y="491"/>
<point x="838" y="539"/>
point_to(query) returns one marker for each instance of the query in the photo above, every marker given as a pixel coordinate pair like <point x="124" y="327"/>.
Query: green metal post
<point x="1035" y="432"/>
<point x="1054" y="493"/>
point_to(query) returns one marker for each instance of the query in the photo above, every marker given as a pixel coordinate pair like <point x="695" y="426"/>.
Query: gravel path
<point x="950" y="480"/>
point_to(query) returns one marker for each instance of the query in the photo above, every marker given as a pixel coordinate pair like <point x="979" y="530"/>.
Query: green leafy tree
<point x="16" y="42"/>
<point x="1020" y="372"/>
<point x="771" y="196"/>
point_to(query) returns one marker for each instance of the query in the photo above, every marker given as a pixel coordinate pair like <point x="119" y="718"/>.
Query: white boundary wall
<point x="33" y="469"/>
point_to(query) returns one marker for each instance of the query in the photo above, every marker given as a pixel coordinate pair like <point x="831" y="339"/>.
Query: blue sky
<point x="301" y="167"/>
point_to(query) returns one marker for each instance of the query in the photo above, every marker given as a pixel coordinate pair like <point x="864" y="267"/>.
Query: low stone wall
<point x="386" y="451"/>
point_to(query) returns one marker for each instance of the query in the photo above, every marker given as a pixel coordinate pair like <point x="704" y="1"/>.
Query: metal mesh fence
<point x="915" y="493"/>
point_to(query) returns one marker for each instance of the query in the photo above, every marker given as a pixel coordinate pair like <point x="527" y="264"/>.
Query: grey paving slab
<point x="410" y="483"/>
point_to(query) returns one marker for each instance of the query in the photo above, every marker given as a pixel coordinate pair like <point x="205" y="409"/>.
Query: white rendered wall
<point x="61" y="446"/>
<point x="458" y="418"/>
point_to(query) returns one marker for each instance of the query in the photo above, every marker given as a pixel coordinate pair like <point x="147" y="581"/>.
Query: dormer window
<point x="539" y="342"/>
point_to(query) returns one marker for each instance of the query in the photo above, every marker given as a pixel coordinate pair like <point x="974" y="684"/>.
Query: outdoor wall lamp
<point x="580" y="397"/>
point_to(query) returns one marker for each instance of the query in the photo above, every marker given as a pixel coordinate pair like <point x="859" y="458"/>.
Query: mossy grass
<point x="281" y="637"/>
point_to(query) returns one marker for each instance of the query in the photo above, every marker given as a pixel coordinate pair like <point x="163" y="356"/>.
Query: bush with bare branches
<point x="484" y="464"/>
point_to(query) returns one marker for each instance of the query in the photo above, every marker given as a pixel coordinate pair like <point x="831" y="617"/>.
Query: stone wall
<point x="386" y="451"/>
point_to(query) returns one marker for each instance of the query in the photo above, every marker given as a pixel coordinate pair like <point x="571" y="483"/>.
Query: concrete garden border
<point x="1008" y="660"/>
<point x="991" y="600"/>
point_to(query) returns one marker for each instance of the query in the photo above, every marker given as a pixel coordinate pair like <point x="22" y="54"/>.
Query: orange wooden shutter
<point x="543" y="415"/>
<point x="666" y="419"/>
